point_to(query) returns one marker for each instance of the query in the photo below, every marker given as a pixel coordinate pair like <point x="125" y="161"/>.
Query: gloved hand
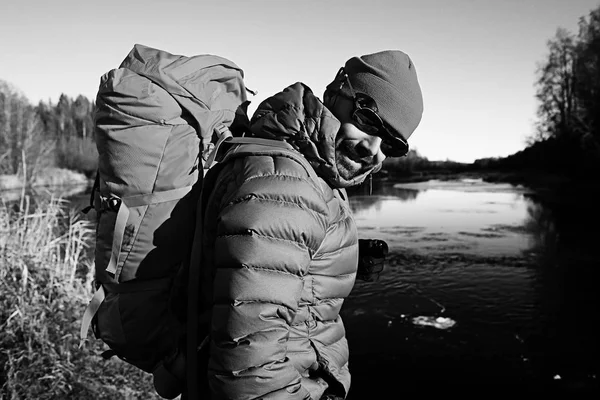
<point x="371" y="259"/>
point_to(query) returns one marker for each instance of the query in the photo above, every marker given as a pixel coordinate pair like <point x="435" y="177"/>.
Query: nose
<point x="370" y="146"/>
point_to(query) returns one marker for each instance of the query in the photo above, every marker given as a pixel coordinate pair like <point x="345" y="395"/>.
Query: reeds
<point x="45" y="284"/>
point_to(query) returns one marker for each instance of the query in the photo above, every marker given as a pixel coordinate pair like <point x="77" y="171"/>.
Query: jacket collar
<point x="298" y="117"/>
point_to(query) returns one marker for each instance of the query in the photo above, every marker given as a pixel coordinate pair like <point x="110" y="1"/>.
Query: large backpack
<point x="156" y="116"/>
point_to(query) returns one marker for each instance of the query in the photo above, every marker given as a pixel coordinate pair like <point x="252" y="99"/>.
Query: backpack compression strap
<point x="89" y="313"/>
<point x="114" y="267"/>
<point x="118" y="233"/>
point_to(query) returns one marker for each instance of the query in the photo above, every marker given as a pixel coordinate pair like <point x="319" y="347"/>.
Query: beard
<point x="349" y="164"/>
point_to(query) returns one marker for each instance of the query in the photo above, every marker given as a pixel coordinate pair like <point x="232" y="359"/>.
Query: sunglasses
<point x="366" y="117"/>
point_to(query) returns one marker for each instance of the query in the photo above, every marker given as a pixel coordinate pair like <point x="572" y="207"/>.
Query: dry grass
<point x="45" y="284"/>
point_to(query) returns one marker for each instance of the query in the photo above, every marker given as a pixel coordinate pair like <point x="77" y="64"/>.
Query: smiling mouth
<point x="363" y="163"/>
<point x="348" y="150"/>
<point x="357" y="166"/>
<point x="354" y="161"/>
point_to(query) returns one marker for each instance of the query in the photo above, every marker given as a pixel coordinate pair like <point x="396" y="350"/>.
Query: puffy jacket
<point x="281" y="253"/>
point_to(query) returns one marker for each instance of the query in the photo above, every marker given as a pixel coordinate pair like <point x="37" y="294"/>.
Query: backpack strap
<point x="226" y="137"/>
<point x="245" y="145"/>
<point x="95" y="189"/>
<point x="89" y="313"/>
<point x="124" y="203"/>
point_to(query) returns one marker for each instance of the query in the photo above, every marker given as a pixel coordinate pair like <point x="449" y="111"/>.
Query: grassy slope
<point x="45" y="284"/>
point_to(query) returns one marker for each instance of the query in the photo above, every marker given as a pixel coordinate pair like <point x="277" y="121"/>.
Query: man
<point x="280" y="248"/>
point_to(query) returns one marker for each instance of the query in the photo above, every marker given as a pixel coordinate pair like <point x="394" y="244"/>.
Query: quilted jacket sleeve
<point x="268" y="229"/>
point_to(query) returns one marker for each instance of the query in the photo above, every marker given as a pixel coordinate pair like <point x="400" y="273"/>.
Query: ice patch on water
<point x="436" y="322"/>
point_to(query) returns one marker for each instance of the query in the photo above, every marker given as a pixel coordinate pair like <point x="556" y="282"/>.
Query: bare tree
<point x="558" y="110"/>
<point x="23" y="147"/>
<point x="82" y="110"/>
<point x="11" y="99"/>
<point x="5" y="130"/>
<point x="36" y="151"/>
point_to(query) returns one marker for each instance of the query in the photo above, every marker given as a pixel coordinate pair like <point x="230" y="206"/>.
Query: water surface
<point x="494" y="260"/>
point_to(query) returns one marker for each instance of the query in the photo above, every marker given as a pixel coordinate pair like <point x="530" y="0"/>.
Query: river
<point x="488" y="288"/>
<point x="511" y="278"/>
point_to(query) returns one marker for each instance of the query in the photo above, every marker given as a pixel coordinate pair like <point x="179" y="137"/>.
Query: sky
<point x="476" y="60"/>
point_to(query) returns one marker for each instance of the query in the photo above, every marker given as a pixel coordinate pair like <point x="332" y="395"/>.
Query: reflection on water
<point x="543" y="234"/>
<point x="516" y="275"/>
<point x="438" y="219"/>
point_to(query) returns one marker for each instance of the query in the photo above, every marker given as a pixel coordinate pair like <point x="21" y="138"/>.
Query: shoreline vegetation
<point x="46" y="280"/>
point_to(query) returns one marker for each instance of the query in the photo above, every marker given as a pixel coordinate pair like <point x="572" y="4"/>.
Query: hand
<point x="371" y="259"/>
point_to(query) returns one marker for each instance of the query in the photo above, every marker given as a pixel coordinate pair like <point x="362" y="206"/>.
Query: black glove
<point x="371" y="259"/>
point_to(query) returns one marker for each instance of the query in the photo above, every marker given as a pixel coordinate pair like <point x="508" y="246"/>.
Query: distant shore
<point x="55" y="181"/>
<point x="546" y="186"/>
<point x="534" y="179"/>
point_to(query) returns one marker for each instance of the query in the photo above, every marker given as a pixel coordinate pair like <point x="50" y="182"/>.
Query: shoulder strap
<point x="252" y="145"/>
<point x="245" y="145"/>
<point x="260" y="141"/>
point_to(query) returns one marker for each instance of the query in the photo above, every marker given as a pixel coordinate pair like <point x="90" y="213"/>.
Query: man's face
<point x="355" y="151"/>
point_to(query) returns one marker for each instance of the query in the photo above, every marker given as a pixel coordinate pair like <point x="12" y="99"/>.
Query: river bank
<point x="59" y="182"/>
<point x="532" y="179"/>
<point x="47" y="177"/>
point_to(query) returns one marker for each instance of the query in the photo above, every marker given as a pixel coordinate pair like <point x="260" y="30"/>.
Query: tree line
<point x="47" y="135"/>
<point x="62" y="135"/>
<point x="566" y="139"/>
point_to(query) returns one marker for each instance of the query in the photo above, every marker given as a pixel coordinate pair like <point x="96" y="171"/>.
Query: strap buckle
<point x="110" y="203"/>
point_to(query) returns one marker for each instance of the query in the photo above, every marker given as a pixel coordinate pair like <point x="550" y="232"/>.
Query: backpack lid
<point x="209" y="87"/>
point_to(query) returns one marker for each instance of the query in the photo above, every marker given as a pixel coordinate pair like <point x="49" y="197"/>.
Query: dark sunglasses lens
<point x="392" y="151"/>
<point x="370" y="123"/>
<point x="367" y="120"/>
<point x="398" y="149"/>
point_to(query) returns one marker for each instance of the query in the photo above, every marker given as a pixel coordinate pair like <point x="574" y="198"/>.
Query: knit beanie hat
<point x="389" y="77"/>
